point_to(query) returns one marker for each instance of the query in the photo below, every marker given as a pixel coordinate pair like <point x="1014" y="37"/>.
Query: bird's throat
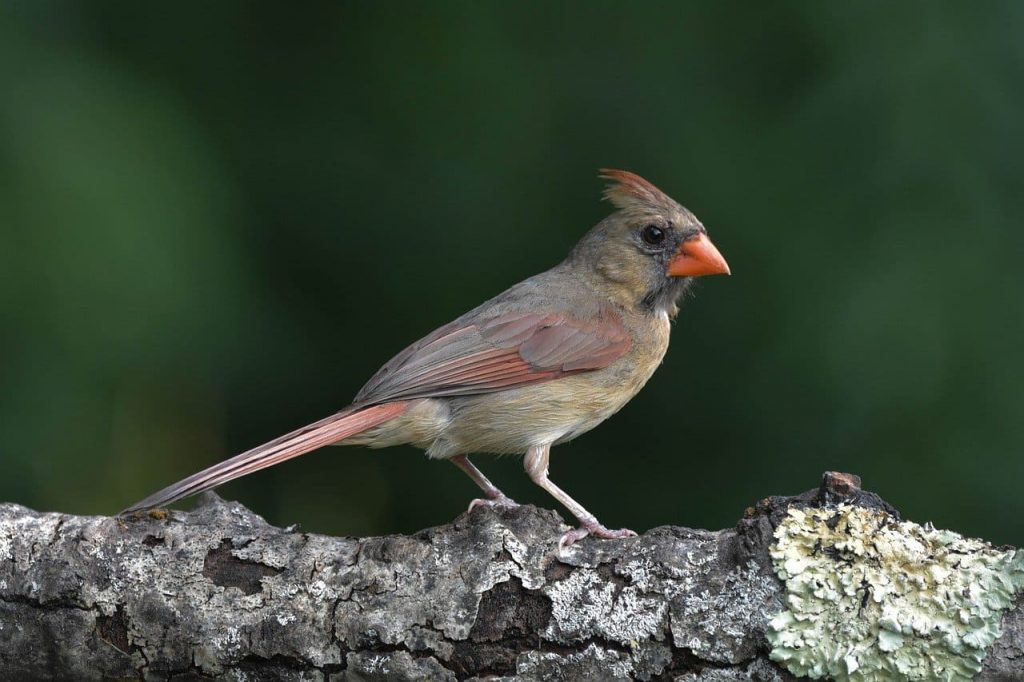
<point x="663" y="298"/>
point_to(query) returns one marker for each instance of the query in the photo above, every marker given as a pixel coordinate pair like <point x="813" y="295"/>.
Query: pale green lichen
<point x="871" y="598"/>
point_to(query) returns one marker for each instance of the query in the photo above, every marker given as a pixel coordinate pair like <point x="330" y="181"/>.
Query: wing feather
<point x="513" y="349"/>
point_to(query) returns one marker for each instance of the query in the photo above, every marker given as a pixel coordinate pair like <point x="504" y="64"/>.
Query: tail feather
<point x="316" y="435"/>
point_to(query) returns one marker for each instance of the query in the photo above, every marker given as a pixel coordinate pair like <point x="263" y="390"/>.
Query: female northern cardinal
<point x="539" y="364"/>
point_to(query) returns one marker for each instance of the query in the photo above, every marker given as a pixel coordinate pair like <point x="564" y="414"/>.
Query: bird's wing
<point x="509" y="350"/>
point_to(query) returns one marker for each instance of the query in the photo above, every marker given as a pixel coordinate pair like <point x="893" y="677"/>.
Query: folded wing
<point x="507" y="351"/>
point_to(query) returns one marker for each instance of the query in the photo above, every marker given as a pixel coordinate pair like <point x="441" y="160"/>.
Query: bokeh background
<point x="218" y="219"/>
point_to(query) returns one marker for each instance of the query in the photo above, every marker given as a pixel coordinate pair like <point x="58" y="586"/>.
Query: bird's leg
<point x="494" y="496"/>
<point x="536" y="464"/>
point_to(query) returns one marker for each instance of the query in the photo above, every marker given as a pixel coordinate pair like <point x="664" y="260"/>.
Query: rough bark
<point x="217" y="592"/>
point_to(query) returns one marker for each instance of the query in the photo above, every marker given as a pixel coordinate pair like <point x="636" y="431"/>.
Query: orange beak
<point x="697" y="257"/>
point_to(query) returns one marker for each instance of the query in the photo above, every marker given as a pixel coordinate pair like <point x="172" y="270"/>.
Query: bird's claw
<point x="570" y="537"/>
<point x="597" y="530"/>
<point x="606" y="534"/>
<point x="491" y="502"/>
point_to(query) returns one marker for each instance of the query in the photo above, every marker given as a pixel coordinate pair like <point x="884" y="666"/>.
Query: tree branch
<point x="218" y="592"/>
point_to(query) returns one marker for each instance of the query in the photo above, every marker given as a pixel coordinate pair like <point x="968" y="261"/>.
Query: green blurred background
<point x="218" y="219"/>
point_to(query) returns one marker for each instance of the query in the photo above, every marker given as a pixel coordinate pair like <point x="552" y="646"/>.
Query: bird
<point x="539" y="364"/>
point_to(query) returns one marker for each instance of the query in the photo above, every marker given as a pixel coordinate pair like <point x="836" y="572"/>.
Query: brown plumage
<point x="544" y="361"/>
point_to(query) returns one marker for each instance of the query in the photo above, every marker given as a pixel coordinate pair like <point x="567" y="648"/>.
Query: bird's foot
<point x="500" y="500"/>
<point x="595" y="529"/>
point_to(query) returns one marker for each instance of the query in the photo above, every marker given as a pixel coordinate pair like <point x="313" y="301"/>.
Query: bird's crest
<point x="628" y="190"/>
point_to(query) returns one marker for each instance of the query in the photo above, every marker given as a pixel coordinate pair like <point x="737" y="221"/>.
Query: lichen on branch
<point x="870" y="597"/>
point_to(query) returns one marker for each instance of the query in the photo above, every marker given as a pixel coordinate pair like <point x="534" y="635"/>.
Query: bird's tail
<point x="318" y="434"/>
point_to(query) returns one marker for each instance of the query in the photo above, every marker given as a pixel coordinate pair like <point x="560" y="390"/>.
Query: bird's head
<point x="646" y="252"/>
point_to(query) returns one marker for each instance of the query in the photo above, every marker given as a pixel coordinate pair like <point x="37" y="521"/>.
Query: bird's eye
<point x="653" y="235"/>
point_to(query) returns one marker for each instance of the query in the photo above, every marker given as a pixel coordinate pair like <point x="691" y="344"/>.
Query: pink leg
<point x="495" y="498"/>
<point x="536" y="464"/>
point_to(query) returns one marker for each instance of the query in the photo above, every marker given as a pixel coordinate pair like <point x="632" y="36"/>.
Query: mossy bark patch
<point x="870" y="597"/>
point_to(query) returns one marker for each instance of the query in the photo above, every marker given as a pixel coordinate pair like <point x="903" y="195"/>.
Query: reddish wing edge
<point x="510" y="350"/>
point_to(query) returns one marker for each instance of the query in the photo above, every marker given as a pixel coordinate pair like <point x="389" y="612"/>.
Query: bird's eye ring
<point x="653" y="235"/>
